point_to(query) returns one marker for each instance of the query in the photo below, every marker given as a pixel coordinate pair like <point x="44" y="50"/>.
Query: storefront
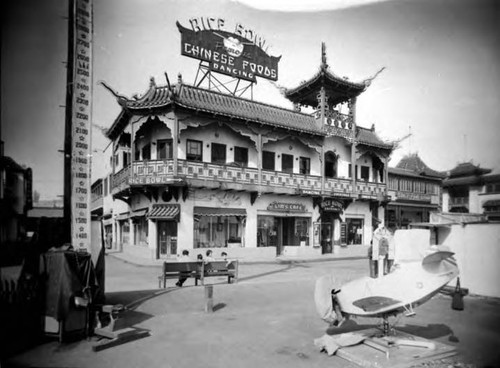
<point x="218" y="227"/>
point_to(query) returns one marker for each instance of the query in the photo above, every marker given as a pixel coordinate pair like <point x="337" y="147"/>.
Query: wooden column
<point x="353" y="146"/>
<point x="175" y="136"/>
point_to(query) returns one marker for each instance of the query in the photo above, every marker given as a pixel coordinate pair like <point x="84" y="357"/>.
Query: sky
<point x="441" y="80"/>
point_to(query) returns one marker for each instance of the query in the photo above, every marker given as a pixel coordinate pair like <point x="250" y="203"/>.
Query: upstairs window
<point x="164" y="149"/>
<point x="268" y="161"/>
<point x="194" y="150"/>
<point x="146" y="152"/>
<point x="365" y="173"/>
<point x="218" y="153"/>
<point x="305" y="165"/>
<point x="241" y="156"/>
<point x="287" y="163"/>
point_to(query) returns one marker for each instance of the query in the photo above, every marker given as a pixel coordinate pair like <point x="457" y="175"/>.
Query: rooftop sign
<point x="239" y="54"/>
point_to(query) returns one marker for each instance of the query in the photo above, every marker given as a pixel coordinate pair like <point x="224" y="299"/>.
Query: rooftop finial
<point x="324" y="64"/>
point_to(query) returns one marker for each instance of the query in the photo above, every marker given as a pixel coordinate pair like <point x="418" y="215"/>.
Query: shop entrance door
<point x="326" y="237"/>
<point x="167" y="239"/>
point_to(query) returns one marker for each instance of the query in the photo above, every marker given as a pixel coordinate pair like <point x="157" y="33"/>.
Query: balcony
<point x="227" y="177"/>
<point x="456" y="202"/>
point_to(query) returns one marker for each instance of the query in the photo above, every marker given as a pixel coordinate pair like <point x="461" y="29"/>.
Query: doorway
<point x="354" y="231"/>
<point x="167" y="239"/>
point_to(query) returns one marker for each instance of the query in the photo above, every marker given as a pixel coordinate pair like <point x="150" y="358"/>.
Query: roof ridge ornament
<point x="324" y="64"/>
<point x="369" y="81"/>
<point x="121" y="99"/>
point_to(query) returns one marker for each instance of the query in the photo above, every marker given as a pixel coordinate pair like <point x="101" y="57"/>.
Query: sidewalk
<point x="349" y="252"/>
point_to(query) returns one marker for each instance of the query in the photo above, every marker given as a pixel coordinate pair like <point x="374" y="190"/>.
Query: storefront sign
<point x="332" y="205"/>
<point x="81" y="124"/>
<point x="286" y="207"/>
<point x="239" y="54"/>
<point x="413" y="196"/>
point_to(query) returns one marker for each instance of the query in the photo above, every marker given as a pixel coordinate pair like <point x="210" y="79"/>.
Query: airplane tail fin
<point x="440" y="262"/>
<point x="323" y="297"/>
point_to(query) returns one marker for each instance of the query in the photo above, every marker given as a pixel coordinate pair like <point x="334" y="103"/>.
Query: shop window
<point x="267" y="231"/>
<point x="268" y="160"/>
<point x="146" y="152"/>
<point x="194" y="150"/>
<point x="365" y="173"/>
<point x="241" y="156"/>
<point x="218" y="153"/>
<point x="287" y="163"/>
<point x="302" y="231"/>
<point x="218" y="231"/>
<point x="141" y="231"/>
<point x="305" y="165"/>
<point x="164" y="149"/>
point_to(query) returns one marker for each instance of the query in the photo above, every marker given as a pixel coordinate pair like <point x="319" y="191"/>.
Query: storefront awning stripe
<point x="209" y="211"/>
<point x="168" y="212"/>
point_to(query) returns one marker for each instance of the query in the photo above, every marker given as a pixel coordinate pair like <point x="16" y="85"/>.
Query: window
<point x="105" y="186"/>
<point x="287" y="163"/>
<point x="268" y="160"/>
<point x="241" y="155"/>
<point x="125" y="158"/>
<point x="164" y="149"/>
<point x="218" y="231"/>
<point x="365" y="173"/>
<point x="305" y="165"/>
<point x="146" y="152"/>
<point x="194" y="150"/>
<point x="330" y="165"/>
<point x="218" y="153"/>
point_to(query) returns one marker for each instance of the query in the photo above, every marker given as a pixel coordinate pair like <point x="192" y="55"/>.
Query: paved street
<point x="268" y="319"/>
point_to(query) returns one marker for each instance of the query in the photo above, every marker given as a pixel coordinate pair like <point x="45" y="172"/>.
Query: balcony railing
<point x="161" y="172"/>
<point x="459" y="201"/>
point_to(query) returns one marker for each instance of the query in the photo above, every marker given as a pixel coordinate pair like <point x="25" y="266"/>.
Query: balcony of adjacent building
<point x="458" y="204"/>
<point x="150" y="173"/>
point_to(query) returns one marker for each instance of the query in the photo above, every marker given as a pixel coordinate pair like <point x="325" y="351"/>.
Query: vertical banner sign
<point x="81" y="125"/>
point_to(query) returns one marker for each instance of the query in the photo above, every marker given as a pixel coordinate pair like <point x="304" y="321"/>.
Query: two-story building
<point x="469" y="188"/>
<point x="193" y="168"/>
<point x="415" y="191"/>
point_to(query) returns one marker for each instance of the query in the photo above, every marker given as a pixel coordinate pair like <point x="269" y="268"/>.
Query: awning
<point x="139" y="213"/>
<point x="211" y="211"/>
<point x="164" y="212"/>
<point x="492" y="203"/>
<point x="122" y="216"/>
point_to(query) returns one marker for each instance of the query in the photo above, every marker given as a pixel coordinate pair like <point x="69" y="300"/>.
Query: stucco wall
<point x="477" y="248"/>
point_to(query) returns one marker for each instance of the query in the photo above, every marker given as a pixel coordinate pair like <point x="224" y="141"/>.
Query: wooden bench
<point x="220" y="268"/>
<point x="198" y="270"/>
<point x="173" y="270"/>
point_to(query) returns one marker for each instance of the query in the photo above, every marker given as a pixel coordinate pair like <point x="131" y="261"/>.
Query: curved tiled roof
<point x="211" y="102"/>
<point x="414" y="163"/>
<point x="369" y="138"/>
<point x="337" y="89"/>
<point x="466" y="169"/>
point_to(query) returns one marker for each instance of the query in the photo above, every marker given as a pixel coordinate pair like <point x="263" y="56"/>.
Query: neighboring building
<point x="15" y="199"/>
<point x="415" y="192"/>
<point x="471" y="189"/>
<point x="193" y="168"/>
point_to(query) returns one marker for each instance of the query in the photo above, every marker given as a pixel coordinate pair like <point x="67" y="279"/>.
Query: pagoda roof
<point x="196" y="99"/>
<point x="211" y="102"/>
<point x="338" y="89"/>
<point x="370" y="138"/>
<point x="414" y="163"/>
<point x="467" y="169"/>
<point x="411" y="173"/>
